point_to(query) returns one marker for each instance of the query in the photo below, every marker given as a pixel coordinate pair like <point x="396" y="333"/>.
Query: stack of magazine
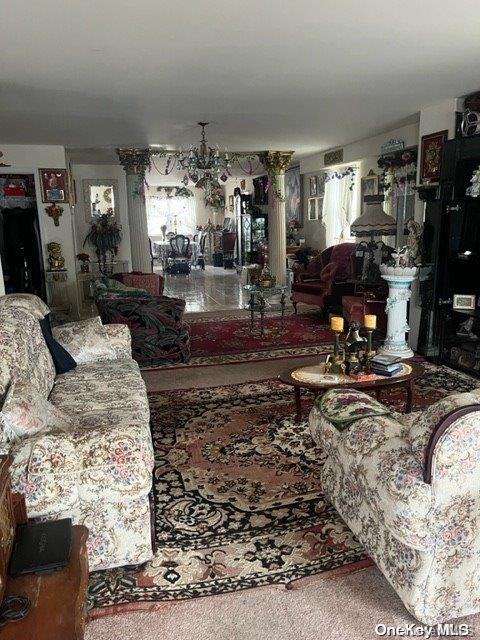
<point x="384" y="365"/>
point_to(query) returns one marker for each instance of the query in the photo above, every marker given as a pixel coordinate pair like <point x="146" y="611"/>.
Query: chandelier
<point x="202" y="165"/>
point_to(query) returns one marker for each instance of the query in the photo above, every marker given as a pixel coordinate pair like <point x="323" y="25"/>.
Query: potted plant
<point x="104" y="237"/>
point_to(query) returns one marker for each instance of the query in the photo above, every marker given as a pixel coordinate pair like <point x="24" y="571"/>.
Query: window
<point x="176" y="214"/>
<point x="340" y="208"/>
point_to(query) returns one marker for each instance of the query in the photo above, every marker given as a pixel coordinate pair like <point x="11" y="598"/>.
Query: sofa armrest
<point x="121" y="340"/>
<point x="44" y="470"/>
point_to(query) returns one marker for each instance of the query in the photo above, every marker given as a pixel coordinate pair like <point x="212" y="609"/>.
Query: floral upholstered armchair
<point x="409" y="489"/>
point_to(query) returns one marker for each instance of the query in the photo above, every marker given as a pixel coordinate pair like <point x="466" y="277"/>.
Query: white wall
<point x="363" y="153"/>
<point x="100" y="172"/>
<point x="28" y="159"/>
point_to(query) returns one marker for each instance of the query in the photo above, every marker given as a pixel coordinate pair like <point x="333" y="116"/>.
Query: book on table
<point x="386" y="372"/>
<point x="383" y="360"/>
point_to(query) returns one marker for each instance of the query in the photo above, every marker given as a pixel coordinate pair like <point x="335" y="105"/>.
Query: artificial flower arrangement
<point x="104" y="237"/>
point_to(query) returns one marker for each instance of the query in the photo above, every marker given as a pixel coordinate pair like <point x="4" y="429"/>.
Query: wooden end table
<point x="315" y="379"/>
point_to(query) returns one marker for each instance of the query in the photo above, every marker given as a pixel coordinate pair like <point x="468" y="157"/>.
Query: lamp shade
<point x="374" y="222"/>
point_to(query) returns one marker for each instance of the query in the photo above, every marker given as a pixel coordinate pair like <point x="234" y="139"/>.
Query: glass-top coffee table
<point x="315" y="379"/>
<point x="260" y="302"/>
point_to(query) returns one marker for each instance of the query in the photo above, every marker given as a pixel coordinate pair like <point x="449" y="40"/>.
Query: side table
<point x="259" y="302"/>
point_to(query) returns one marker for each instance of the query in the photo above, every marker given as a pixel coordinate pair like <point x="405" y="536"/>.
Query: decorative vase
<point x="399" y="280"/>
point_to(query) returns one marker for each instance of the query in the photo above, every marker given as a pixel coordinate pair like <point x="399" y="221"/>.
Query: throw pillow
<point x="62" y="360"/>
<point x="86" y="340"/>
<point x="26" y="412"/>
<point x="341" y="407"/>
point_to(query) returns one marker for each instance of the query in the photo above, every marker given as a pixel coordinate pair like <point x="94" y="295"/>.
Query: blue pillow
<point x="62" y="360"/>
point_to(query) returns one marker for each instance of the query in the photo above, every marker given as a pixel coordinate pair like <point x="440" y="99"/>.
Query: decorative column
<point x="136" y="162"/>
<point x="275" y="163"/>
<point x="399" y="280"/>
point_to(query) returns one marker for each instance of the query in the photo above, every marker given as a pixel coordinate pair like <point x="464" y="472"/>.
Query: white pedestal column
<point x="135" y="163"/>
<point x="275" y="162"/>
<point x="396" y="308"/>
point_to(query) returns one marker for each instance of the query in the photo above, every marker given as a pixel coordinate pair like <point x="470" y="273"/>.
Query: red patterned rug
<point x="226" y="337"/>
<point x="238" y="500"/>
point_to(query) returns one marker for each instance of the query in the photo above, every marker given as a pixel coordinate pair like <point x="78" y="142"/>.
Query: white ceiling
<point x="305" y="75"/>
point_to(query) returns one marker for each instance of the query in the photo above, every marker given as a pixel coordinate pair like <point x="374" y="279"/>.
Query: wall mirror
<point x="100" y="197"/>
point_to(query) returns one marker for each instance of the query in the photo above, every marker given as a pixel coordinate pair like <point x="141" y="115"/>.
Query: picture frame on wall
<point x="293" y="195"/>
<point x="313" y="186"/>
<point x="431" y="156"/>
<point x="320" y="209"/>
<point x="54" y="185"/>
<point x="369" y="185"/>
<point x="312" y="209"/>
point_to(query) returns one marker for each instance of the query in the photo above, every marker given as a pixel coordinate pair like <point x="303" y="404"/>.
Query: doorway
<point x="20" y="243"/>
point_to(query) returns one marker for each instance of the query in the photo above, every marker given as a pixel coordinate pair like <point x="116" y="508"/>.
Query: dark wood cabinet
<point x="451" y="263"/>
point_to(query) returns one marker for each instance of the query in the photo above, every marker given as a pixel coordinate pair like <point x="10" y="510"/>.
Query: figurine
<point x="414" y="241"/>
<point x="465" y="330"/>
<point x="474" y="189"/>
<point x="55" y="258"/>
<point x="354" y="342"/>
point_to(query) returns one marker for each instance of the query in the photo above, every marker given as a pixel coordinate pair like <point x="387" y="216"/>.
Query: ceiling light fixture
<point x="202" y="165"/>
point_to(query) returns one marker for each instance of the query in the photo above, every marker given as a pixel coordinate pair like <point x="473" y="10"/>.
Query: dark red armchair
<point x="316" y="285"/>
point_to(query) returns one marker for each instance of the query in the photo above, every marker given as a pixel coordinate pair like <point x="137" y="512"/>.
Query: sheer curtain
<point x="178" y="214"/>
<point x="340" y="208"/>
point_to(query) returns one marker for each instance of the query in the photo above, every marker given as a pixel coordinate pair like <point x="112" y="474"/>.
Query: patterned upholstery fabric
<point x="423" y="537"/>
<point x="98" y="469"/>
<point x="86" y="340"/>
<point x="159" y="335"/>
<point x="151" y="282"/>
<point x="27" y="301"/>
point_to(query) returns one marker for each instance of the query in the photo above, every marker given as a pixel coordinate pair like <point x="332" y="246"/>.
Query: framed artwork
<point x="313" y="186"/>
<point x="431" y="156"/>
<point x="369" y="185"/>
<point x="293" y="195"/>
<point x="312" y="208"/>
<point x="54" y="184"/>
<point x="320" y="209"/>
<point x="463" y="302"/>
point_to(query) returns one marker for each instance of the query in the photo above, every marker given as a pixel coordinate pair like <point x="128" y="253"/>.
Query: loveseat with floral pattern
<point x="80" y="441"/>
<point x="409" y="489"/>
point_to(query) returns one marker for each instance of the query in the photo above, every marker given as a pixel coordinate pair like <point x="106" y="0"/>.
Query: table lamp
<point x="374" y="222"/>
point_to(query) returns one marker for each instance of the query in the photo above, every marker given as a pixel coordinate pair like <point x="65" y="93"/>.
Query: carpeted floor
<point x="334" y="608"/>
<point x="238" y="501"/>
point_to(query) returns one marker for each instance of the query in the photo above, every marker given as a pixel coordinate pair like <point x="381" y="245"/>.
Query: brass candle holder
<point x="335" y="363"/>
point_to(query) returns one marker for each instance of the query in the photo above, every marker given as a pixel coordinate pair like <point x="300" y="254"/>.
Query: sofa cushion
<point x="95" y="394"/>
<point x="313" y="286"/>
<point x="26" y="412"/>
<point x="86" y="340"/>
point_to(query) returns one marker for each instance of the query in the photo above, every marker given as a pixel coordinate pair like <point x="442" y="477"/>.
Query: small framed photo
<point x="312" y="209"/>
<point x="313" y="186"/>
<point x="463" y="302"/>
<point x="54" y="183"/>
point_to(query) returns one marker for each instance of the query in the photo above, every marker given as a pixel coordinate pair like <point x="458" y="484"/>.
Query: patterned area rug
<point x="238" y="502"/>
<point x="234" y="336"/>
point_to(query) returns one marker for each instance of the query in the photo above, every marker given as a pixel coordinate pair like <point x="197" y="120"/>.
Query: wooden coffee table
<point x="315" y="379"/>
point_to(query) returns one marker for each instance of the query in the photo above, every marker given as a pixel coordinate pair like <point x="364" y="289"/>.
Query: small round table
<point x="315" y="379"/>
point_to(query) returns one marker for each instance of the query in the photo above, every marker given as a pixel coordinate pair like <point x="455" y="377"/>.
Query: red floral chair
<point x="151" y="282"/>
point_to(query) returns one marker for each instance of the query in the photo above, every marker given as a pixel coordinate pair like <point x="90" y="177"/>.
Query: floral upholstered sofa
<point x="409" y="489"/>
<point x="93" y="458"/>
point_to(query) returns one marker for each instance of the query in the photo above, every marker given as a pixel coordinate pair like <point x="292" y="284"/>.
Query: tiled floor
<point x="215" y="289"/>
